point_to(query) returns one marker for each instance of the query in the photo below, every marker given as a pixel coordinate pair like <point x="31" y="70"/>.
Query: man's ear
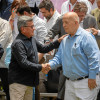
<point x="22" y="29"/>
<point x="76" y="22"/>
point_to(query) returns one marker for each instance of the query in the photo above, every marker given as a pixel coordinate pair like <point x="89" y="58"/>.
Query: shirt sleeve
<point x="91" y="50"/>
<point x="56" y="61"/>
<point x="98" y="32"/>
<point x="5" y="33"/>
<point x="41" y="31"/>
<point x="46" y="48"/>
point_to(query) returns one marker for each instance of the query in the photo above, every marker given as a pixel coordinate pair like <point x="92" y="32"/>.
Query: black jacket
<point x="24" y="67"/>
<point x="1" y="51"/>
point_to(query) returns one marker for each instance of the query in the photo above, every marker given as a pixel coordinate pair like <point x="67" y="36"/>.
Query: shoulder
<point x="17" y="42"/>
<point x="86" y="35"/>
<point x="95" y="10"/>
<point x="59" y="19"/>
<point x="3" y="22"/>
<point x="38" y="21"/>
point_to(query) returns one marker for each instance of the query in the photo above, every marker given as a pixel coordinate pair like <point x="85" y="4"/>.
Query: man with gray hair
<point x="24" y="67"/>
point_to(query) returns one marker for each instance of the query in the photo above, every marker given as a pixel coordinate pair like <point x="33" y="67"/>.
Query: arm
<point x="95" y="31"/>
<point x="91" y="50"/>
<point x="56" y="61"/>
<point x="20" y="54"/>
<point x="49" y="47"/>
<point x="46" y="48"/>
<point x="5" y="33"/>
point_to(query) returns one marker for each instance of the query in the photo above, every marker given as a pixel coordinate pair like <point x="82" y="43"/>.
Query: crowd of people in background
<point x="40" y="37"/>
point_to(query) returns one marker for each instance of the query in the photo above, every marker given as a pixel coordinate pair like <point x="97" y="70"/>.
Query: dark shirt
<point x="1" y="51"/>
<point x="24" y="67"/>
<point x="5" y="9"/>
<point x="57" y="29"/>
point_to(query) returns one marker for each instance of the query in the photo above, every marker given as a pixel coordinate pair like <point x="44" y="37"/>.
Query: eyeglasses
<point x="30" y="26"/>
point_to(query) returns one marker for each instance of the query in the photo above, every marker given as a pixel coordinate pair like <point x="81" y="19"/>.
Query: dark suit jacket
<point x="89" y="22"/>
<point x="24" y="67"/>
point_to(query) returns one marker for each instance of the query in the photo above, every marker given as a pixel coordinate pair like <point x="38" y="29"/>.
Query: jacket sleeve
<point x="46" y="48"/>
<point x="55" y="30"/>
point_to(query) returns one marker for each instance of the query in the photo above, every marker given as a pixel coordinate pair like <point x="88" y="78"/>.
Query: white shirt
<point x="49" y="25"/>
<point x="40" y="29"/>
<point x="52" y="20"/>
<point x="67" y="6"/>
<point x="5" y="39"/>
<point x="94" y="5"/>
<point x="31" y="3"/>
<point x="98" y="32"/>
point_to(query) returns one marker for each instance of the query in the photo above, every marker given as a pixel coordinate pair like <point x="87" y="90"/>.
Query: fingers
<point x="46" y="68"/>
<point x="92" y="83"/>
<point x="61" y="38"/>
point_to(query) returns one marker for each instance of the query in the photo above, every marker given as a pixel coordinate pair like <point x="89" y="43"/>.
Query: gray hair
<point x="80" y="7"/>
<point x="22" y="21"/>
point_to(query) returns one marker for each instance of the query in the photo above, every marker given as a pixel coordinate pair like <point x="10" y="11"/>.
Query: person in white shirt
<point x="93" y="4"/>
<point x="5" y="40"/>
<point x="68" y="5"/>
<point x="49" y="13"/>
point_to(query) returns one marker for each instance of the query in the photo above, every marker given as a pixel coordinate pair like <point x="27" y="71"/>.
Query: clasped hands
<point x="46" y="68"/>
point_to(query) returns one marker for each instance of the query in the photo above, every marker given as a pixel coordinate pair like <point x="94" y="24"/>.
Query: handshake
<point x="46" y="68"/>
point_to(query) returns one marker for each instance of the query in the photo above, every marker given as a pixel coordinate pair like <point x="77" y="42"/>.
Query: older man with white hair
<point x="78" y="55"/>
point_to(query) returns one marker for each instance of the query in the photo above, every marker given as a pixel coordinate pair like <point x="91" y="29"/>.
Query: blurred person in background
<point x="5" y="40"/>
<point x="5" y="10"/>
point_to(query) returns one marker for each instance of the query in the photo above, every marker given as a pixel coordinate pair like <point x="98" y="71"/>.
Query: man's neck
<point x="92" y="1"/>
<point x="73" y="1"/>
<point x="51" y="16"/>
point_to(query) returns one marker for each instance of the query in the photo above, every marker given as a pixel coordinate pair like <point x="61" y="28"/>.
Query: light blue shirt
<point x="78" y="55"/>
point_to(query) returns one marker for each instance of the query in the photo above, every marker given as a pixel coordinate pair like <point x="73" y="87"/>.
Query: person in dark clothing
<point x="24" y="67"/>
<point x="5" y="10"/>
<point x="1" y="51"/>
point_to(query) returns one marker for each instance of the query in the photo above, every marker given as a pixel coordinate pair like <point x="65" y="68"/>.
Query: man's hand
<point x="93" y="31"/>
<point x="61" y="38"/>
<point x="46" y="68"/>
<point x="92" y="83"/>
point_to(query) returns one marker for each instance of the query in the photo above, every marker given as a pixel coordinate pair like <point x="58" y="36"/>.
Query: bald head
<point x="70" y="22"/>
<point x="71" y="16"/>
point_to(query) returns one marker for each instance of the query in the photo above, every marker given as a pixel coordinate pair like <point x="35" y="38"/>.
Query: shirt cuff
<point x="40" y="67"/>
<point x="92" y="75"/>
<point x="51" y="65"/>
<point x="98" y="32"/>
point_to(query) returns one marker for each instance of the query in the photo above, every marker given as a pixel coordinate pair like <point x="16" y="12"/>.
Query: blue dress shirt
<point x="78" y="55"/>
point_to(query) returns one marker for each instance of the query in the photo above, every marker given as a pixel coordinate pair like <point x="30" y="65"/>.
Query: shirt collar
<point x="75" y="2"/>
<point x="23" y="37"/>
<point x="53" y="17"/>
